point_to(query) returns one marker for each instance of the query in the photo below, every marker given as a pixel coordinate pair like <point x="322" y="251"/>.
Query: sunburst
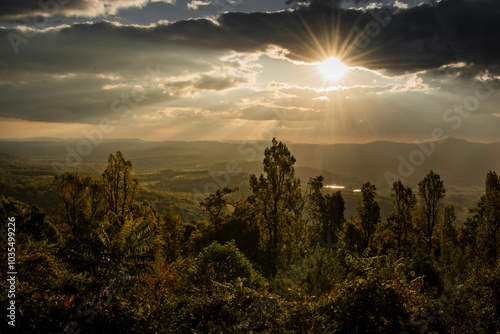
<point x="332" y="69"/>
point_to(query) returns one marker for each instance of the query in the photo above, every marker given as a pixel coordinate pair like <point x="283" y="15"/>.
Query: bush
<point x="223" y="263"/>
<point x="366" y="306"/>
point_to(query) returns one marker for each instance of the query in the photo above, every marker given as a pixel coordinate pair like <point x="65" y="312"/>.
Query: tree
<point x="431" y="192"/>
<point x="118" y="187"/>
<point x="216" y="206"/>
<point x="403" y="204"/>
<point x="368" y="212"/>
<point x="448" y="234"/>
<point x="491" y="214"/>
<point x="242" y="226"/>
<point x="279" y="196"/>
<point x="480" y="233"/>
<point x="119" y="248"/>
<point x="327" y="211"/>
<point x="172" y="230"/>
<point x="30" y="220"/>
<point x="77" y="209"/>
<point x="110" y="231"/>
<point x="352" y="237"/>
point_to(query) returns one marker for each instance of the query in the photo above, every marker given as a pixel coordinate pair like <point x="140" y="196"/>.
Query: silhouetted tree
<point x="242" y="226"/>
<point x="172" y="230"/>
<point x="368" y="212"/>
<point x="279" y="196"/>
<point x="81" y="201"/>
<point x="326" y="210"/>
<point x="400" y="220"/>
<point x="216" y="205"/>
<point x="491" y="213"/>
<point x="352" y="237"/>
<point x="118" y="187"/>
<point x="431" y="192"/>
<point x="110" y="231"/>
<point x="447" y="233"/>
<point x="480" y="233"/>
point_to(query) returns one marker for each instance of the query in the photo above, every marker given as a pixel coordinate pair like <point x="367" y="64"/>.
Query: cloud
<point x="73" y="74"/>
<point x="11" y="10"/>
<point x="414" y="83"/>
<point x="411" y="40"/>
<point x="206" y="82"/>
<point x="195" y="4"/>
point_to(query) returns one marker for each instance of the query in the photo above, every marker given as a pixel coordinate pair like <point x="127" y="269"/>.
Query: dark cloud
<point x="23" y="8"/>
<point x="420" y="38"/>
<point x="11" y="10"/>
<point x="207" y="82"/>
<point x="204" y="82"/>
<point x="79" y="99"/>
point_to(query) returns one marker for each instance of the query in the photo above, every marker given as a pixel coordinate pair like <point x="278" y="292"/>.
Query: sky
<point x="306" y="72"/>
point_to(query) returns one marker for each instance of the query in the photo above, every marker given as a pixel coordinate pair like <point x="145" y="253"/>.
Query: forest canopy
<point x="282" y="259"/>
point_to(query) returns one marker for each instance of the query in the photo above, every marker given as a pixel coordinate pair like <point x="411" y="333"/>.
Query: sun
<point x="332" y="69"/>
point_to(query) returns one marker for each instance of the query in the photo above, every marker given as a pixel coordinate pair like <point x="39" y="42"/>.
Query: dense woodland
<point x="281" y="259"/>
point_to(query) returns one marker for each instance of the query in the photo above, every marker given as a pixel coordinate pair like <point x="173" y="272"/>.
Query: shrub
<point x="223" y="263"/>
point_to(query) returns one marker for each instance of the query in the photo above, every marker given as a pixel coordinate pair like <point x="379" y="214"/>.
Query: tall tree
<point x="82" y="202"/>
<point x="488" y="220"/>
<point x="243" y="227"/>
<point x="279" y="196"/>
<point x="431" y="192"/>
<point x="448" y="234"/>
<point x="492" y="213"/>
<point x="110" y="231"/>
<point x="368" y="212"/>
<point x="326" y="210"/>
<point x="172" y="230"/>
<point x="118" y="186"/>
<point x="403" y="204"/>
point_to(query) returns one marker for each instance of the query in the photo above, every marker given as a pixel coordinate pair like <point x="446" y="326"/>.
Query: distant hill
<point x="462" y="165"/>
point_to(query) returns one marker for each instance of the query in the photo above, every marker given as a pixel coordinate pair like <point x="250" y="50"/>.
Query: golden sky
<point x="240" y="70"/>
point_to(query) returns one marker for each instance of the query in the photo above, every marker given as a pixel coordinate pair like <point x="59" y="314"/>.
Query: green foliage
<point x="31" y="221"/>
<point x="242" y="226"/>
<point x="106" y="263"/>
<point x="118" y="187"/>
<point x="400" y="220"/>
<point x="216" y="205"/>
<point x="476" y="309"/>
<point x="479" y="236"/>
<point x="280" y="200"/>
<point x="82" y="203"/>
<point x="173" y="238"/>
<point x="326" y="211"/>
<point x="368" y="213"/>
<point x="366" y="306"/>
<point x="223" y="263"/>
<point x="317" y="273"/>
<point x="448" y="239"/>
<point x="113" y="247"/>
<point x="352" y="237"/>
<point x="491" y="214"/>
